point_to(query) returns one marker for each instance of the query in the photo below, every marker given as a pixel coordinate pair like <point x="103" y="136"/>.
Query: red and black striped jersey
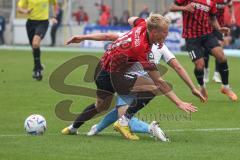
<point x="197" y="24"/>
<point x="132" y="47"/>
<point x="221" y="4"/>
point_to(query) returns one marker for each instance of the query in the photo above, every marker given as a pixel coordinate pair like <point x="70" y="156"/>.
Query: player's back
<point x="131" y="47"/>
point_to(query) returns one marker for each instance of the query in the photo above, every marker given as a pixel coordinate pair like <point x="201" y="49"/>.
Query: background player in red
<point x="221" y="4"/>
<point x="199" y="19"/>
<point x="134" y="46"/>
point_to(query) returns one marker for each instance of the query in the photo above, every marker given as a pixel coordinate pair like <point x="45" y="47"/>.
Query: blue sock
<point x="110" y="118"/>
<point x="138" y="126"/>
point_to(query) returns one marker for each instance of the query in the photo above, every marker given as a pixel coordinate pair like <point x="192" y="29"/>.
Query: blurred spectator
<point x="80" y="16"/>
<point x="144" y="13"/>
<point x="113" y="21"/>
<point x="124" y="19"/>
<point x="2" y="29"/>
<point x="104" y="14"/>
<point x="56" y="25"/>
<point x="175" y="18"/>
<point x="235" y="28"/>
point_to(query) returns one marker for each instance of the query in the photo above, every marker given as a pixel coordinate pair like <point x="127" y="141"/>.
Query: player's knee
<point x="122" y="110"/>
<point x="199" y="65"/>
<point x="35" y="45"/>
<point x="221" y="59"/>
<point x="102" y="104"/>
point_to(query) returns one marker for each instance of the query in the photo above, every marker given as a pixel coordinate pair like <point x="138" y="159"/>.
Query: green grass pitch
<point x="21" y="96"/>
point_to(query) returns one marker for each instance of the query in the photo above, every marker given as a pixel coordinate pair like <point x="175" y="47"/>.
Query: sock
<point x="110" y="118"/>
<point x="37" y="58"/>
<point x="199" y="76"/>
<point x="206" y="59"/>
<point x="226" y="86"/>
<point x="224" y="72"/>
<point x="216" y="66"/>
<point x="124" y="120"/>
<point x="141" y="99"/>
<point x="72" y="128"/>
<point x="87" y="114"/>
<point x="138" y="126"/>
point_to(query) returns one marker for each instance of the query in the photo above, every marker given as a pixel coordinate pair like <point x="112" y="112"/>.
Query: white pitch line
<point x="203" y="130"/>
<point x="170" y="130"/>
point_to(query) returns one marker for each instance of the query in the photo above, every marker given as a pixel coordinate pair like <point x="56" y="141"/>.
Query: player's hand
<point x="74" y="39"/>
<point x="187" y="107"/>
<point x="198" y="94"/>
<point x="189" y="8"/>
<point x="28" y="11"/>
<point x="233" y="21"/>
<point x="225" y="30"/>
<point x="54" y="20"/>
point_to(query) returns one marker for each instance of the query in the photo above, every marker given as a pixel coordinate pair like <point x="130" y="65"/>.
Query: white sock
<point x="216" y="73"/>
<point x="123" y="121"/>
<point x="203" y="86"/>
<point x="226" y="86"/>
<point x="72" y="129"/>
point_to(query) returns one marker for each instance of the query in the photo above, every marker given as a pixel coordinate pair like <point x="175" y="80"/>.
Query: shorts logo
<point x="150" y="57"/>
<point x="129" y="76"/>
<point x="192" y="55"/>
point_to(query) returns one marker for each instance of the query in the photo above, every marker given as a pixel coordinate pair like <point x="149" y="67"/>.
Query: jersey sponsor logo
<point x="201" y="7"/>
<point x="137" y="40"/>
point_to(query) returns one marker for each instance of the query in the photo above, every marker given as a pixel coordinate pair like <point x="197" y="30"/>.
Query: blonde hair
<point x="157" y="21"/>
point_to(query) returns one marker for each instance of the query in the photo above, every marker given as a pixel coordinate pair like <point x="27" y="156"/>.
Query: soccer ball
<point x="35" y="124"/>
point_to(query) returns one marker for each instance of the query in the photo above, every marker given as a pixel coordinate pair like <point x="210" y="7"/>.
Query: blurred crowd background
<point x="88" y="16"/>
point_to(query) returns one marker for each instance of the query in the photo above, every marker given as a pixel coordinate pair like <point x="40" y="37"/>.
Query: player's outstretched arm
<point x="186" y="78"/>
<point x="165" y="88"/>
<point x="95" y="37"/>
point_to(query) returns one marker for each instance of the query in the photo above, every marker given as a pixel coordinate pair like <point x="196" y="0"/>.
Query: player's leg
<point x="218" y="53"/>
<point x="138" y="126"/>
<point x="1" y="38"/>
<point x="104" y="96"/>
<point x="206" y="68"/>
<point x="144" y="92"/>
<point x="107" y="120"/>
<point x="53" y="34"/>
<point x="112" y="116"/>
<point x="135" y="125"/>
<point x="40" y="31"/>
<point x="30" y="28"/>
<point x="195" y="51"/>
<point x="216" y="75"/>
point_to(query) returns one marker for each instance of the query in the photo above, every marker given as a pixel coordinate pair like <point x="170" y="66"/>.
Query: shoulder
<point x="139" y="21"/>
